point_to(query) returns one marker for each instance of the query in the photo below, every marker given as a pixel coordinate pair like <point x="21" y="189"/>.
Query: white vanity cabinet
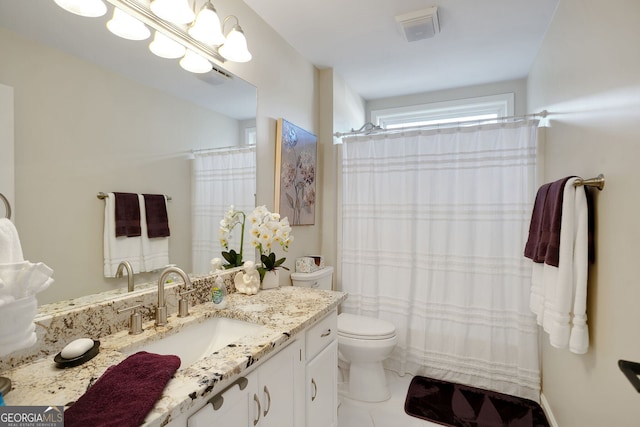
<point x="321" y="404"/>
<point x="264" y="398"/>
<point x="295" y="387"/>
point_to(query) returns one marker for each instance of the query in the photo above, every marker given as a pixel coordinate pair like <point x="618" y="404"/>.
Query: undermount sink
<point x="195" y="342"/>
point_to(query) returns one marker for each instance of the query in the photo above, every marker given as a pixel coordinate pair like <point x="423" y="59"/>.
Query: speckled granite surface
<point x="283" y="311"/>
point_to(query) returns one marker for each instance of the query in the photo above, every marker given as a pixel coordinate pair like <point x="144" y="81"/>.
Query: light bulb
<point x="89" y="8"/>
<point x="126" y="26"/>
<point x="235" y="47"/>
<point x="206" y="27"/>
<point x="165" y="47"/>
<point x="176" y="11"/>
<point x="195" y="63"/>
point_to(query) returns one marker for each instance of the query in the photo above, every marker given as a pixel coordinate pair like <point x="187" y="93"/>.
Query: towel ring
<point x="7" y="205"/>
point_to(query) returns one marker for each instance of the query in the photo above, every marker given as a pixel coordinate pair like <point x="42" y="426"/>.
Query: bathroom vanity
<point x="282" y="374"/>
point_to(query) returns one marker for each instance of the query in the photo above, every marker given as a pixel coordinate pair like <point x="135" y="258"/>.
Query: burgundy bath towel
<point x="125" y="393"/>
<point x="543" y="244"/>
<point x="156" y="214"/>
<point x="127" y="215"/>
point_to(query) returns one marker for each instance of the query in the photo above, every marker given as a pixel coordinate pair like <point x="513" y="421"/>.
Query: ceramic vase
<point x="271" y="279"/>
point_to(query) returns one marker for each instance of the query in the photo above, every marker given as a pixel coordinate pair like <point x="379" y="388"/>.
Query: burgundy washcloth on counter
<point x="127" y="215"/>
<point x="156" y="214"/>
<point x="543" y="244"/>
<point x="125" y="393"/>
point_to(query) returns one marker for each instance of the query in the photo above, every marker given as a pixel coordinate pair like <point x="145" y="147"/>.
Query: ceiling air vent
<point x="419" y="25"/>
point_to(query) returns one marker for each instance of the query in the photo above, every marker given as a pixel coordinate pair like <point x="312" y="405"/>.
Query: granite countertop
<point x="283" y="311"/>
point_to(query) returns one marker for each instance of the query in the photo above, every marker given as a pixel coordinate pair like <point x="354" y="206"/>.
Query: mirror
<point x="97" y="113"/>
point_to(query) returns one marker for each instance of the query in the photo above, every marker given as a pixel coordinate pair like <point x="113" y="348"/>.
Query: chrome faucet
<point x="121" y="267"/>
<point x="161" y="310"/>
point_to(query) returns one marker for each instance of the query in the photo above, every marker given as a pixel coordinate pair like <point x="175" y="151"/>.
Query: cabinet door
<point x="276" y="387"/>
<point x="322" y="390"/>
<point x="239" y="407"/>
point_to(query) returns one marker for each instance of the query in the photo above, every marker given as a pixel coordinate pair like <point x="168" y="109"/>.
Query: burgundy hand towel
<point x="535" y="227"/>
<point x="543" y="244"/>
<point x="125" y="393"/>
<point x="127" y="215"/>
<point x="156" y="214"/>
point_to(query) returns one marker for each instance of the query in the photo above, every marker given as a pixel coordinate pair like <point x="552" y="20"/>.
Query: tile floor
<point x="383" y="414"/>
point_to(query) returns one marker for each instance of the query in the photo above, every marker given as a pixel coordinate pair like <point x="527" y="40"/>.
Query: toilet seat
<point x="364" y="328"/>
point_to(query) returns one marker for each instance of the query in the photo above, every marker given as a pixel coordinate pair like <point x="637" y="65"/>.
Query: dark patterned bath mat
<point x="459" y="405"/>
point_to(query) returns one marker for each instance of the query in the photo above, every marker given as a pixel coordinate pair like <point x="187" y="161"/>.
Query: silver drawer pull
<point x="217" y="400"/>
<point x="266" y="410"/>
<point x="326" y="333"/>
<point x="255" y="397"/>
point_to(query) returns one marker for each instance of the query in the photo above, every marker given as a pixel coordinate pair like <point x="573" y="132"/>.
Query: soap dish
<point x="61" y="362"/>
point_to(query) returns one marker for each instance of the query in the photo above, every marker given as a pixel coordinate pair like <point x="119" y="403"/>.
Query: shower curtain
<point x="434" y="225"/>
<point x="219" y="179"/>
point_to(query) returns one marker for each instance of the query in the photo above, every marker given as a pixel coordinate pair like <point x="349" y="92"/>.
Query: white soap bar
<point x="76" y="348"/>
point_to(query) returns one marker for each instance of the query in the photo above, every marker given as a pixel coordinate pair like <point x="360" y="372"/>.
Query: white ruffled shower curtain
<point x="220" y="178"/>
<point x="434" y="226"/>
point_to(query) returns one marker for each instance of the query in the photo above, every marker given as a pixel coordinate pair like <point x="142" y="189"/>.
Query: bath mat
<point x="458" y="405"/>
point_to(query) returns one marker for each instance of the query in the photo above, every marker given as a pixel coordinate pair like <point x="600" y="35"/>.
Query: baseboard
<point x="547" y="410"/>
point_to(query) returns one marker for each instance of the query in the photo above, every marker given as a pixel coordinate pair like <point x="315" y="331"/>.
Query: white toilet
<point x="363" y="343"/>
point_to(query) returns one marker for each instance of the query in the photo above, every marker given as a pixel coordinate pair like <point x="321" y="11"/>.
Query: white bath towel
<point x="559" y="294"/>
<point x="10" y="247"/>
<point x="155" y="251"/>
<point x="118" y="249"/>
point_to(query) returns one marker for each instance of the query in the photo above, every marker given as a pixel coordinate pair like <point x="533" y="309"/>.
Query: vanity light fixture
<point x="89" y="8"/>
<point x="164" y="47"/>
<point x="235" y="46"/>
<point x="199" y="44"/>
<point x="126" y="26"/>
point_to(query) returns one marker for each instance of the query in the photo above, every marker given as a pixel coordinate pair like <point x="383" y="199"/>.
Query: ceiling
<point x="479" y="41"/>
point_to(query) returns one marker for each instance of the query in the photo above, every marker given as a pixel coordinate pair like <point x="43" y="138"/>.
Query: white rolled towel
<point x="10" y="247"/>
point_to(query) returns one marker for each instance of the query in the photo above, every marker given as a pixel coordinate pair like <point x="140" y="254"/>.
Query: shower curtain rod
<point x="369" y="128"/>
<point x="220" y="149"/>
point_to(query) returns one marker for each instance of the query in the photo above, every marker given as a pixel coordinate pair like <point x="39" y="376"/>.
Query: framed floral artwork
<point x="296" y="165"/>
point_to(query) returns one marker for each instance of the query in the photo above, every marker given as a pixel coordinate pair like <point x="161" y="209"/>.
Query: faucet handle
<point x="135" y="320"/>
<point x="183" y="304"/>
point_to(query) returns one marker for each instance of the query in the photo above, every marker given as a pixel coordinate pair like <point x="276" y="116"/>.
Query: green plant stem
<point x="244" y="217"/>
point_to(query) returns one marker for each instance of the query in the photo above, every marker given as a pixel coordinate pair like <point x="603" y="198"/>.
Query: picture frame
<point x="296" y="171"/>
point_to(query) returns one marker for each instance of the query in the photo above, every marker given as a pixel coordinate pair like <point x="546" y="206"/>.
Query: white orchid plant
<point x="231" y="218"/>
<point x="269" y="231"/>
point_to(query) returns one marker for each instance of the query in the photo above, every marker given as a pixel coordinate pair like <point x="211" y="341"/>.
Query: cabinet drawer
<point x="321" y="334"/>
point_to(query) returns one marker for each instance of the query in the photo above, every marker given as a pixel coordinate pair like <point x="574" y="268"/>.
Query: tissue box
<point x="309" y="264"/>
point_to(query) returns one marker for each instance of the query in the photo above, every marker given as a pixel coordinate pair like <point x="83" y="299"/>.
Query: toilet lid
<point x="355" y="326"/>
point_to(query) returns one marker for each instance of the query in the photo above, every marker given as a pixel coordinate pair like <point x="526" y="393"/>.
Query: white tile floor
<point x="383" y="414"/>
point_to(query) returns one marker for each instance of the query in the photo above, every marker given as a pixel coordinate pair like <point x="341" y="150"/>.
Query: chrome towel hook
<point x="7" y="205"/>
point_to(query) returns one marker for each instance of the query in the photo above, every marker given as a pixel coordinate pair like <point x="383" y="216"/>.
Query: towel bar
<point x="102" y="196"/>
<point x="7" y="205"/>
<point x="597" y="182"/>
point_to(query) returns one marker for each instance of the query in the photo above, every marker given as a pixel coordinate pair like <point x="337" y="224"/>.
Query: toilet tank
<point x="319" y="279"/>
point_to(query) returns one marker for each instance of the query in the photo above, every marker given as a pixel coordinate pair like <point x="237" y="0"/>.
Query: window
<point x="441" y="113"/>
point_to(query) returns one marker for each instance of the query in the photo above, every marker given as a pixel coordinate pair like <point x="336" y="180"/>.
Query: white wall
<point x="587" y="74"/>
<point x="341" y="109"/>
<point x="7" y="187"/>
